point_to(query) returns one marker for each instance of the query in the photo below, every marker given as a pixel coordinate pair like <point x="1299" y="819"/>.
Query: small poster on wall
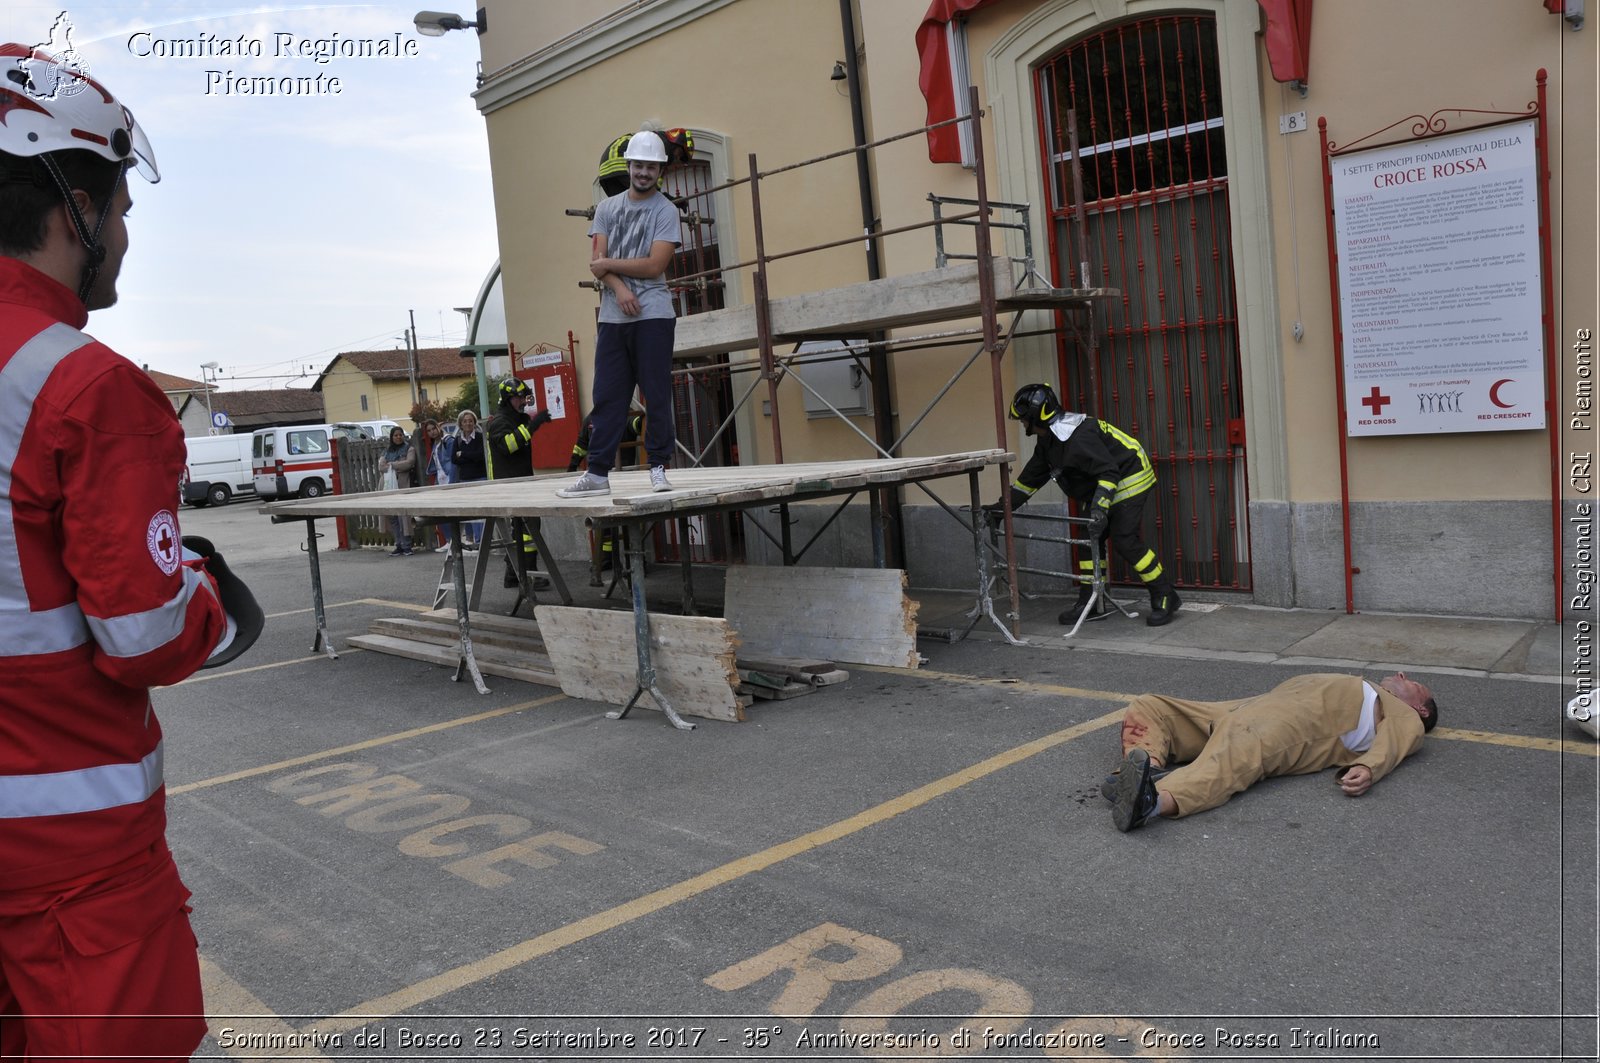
<point x="1439" y="285"/>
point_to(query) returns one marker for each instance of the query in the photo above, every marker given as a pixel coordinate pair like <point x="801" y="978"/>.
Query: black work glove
<point x="1099" y="521"/>
<point x="540" y="419"/>
<point x="995" y="513"/>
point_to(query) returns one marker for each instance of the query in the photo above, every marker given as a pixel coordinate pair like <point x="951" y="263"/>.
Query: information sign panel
<point x="1439" y="283"/>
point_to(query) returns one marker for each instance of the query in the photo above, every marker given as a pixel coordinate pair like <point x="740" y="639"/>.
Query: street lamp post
<point x="438" y="23"/>
<point x="208" y="371"/>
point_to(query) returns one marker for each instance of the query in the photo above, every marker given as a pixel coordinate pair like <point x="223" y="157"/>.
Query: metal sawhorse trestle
<point x="1097" y="583"/>
<point x="321" y="642"/>
<point x="633" y="540"/>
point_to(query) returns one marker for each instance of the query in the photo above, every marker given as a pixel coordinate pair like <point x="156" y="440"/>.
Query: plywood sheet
<point x="592" y="651"/>
<point x="856" y="615"/>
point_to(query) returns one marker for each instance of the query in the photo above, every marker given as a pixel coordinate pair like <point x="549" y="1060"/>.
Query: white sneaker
<point x="586" y="486"/>
<point x="658" y="478"/>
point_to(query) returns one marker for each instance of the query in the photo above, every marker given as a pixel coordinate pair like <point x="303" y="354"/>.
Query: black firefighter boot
<point x="1164" y="602"/>
<point x="1070" y="616"/>
<point x="1102" y="608"/>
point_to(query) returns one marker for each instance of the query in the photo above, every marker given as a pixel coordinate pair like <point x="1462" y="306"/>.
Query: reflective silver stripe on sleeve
<point x="64" y="793"/>
<point x="137" y="633"/>
<point x="22" y="630"/>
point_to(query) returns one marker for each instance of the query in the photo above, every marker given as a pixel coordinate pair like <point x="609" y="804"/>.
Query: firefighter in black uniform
<point x="630" y="435"/>
<point x="1108" y="474"/>
<point x="510" y="438"/>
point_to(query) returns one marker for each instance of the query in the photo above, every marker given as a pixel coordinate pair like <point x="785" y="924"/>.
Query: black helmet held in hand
<point x="245" y="619"/>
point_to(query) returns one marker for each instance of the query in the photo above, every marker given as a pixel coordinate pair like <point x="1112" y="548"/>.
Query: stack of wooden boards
<point x="782" y="632"/>
<point x="781" y="678"/>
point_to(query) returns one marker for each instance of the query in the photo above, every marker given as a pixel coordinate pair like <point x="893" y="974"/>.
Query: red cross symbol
<point x="165" y="542"/>
<point x="1377" y="400"/>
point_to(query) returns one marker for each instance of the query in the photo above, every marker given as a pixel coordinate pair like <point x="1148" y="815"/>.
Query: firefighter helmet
<point x="512" y="387"/>
<point x="1035" y="404"/>
<point x="679" y="144"/>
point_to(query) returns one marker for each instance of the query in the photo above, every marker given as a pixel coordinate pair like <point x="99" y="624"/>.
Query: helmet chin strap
<point x="91" y="241"/>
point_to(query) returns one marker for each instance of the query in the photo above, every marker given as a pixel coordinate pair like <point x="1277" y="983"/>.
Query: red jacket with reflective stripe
<point x="95" y="604"/>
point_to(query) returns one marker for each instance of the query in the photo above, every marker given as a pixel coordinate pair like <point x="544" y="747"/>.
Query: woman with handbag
<point x="398" y="465"/>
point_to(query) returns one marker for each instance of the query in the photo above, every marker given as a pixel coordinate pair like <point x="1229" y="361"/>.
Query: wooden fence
<point x="355" y="472"/>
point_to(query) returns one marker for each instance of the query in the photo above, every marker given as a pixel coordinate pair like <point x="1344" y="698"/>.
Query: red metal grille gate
<point x="1151" y="184"/>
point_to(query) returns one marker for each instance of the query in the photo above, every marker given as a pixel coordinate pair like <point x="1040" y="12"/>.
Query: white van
<point x="297" y="460"/>
<point x="380" y="429"/>
<point x="216" y="469"/>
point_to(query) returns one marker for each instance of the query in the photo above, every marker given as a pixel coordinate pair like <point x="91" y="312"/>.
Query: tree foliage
<point x="465" y="398"/>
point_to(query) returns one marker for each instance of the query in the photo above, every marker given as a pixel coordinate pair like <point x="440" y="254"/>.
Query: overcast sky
<point x="286" y="229"/>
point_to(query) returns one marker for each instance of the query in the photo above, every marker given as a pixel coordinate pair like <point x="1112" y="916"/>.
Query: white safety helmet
<point x="645" y="146"/>
<point x="47" y="105"/>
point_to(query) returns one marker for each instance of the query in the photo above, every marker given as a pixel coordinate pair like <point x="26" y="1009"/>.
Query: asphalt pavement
<point x="913" y="863"/>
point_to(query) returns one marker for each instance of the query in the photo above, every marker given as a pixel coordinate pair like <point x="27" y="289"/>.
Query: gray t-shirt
<point x="631" y="227"/>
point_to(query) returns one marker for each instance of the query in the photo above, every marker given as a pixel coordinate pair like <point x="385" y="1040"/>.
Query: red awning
<point x="1288" y="38"/>
<point x="944" y="145"/>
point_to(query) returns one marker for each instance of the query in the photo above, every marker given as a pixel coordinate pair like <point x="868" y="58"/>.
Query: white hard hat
<point x="645" y="146"/>
<point x="47" y="105"/>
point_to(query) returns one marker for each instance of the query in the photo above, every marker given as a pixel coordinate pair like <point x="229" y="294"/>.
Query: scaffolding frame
<point x="771" y="369"/>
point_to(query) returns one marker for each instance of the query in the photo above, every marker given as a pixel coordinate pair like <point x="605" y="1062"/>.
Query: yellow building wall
<point x="344" y="385"/>
<point x="1419" y="59"/>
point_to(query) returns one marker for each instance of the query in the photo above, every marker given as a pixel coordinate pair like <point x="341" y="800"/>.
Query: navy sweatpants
<point x="626" y="354"/>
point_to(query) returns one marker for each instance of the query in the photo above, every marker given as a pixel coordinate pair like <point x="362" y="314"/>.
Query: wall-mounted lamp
<point x="838" y="72"/>
<point x="438" y="23"/>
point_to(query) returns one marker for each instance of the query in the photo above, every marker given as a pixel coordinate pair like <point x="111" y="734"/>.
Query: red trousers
<point x="101" y="967"/>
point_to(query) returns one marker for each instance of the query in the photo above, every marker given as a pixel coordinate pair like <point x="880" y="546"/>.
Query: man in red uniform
<point x="98" y="602"/>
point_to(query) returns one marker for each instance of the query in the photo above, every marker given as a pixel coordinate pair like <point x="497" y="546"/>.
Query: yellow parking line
<point x="408" y="606"/>
<point x="230" y="1006"/>
<point x="206" y="677"/>
<point x="1582" y="748"/>
<point x="479" y="970"/>
<point x="369" y="743"/>
<point x="1008" y="684"/>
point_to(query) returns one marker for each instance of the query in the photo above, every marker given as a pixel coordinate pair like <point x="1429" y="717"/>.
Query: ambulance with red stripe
<point x="289" y="461"/>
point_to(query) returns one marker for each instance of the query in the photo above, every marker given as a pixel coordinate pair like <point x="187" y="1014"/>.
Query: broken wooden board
<point x="857" y="615"/>
<point x="594" y="659"/>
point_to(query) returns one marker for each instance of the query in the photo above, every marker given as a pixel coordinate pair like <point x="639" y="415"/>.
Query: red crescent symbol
<point x="1494" y="394"/>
